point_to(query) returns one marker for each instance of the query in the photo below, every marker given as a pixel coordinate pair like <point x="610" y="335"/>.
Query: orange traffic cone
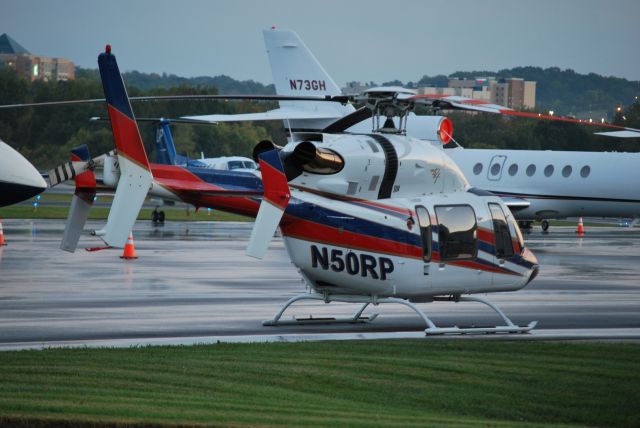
<point x="580" y="229"/>
<point x="129" y="249"/>
<point x="2" y="235"/>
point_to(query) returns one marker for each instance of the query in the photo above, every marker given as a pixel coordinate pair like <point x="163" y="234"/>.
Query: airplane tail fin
<point x="296" y="71"/>
<point x="165" y="148"/>
<point x="81" y="202"/>
<point x="166" y="153"/>
<point x="274" y="203"/>
<point x="135" y="171"/>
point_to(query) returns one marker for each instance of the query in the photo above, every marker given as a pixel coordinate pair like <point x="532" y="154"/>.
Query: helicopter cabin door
<point x="424" y="222"/>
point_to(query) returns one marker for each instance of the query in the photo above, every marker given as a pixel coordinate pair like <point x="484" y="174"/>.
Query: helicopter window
<point x="585" y="171"/>
<point x="548" y="171"/>
<point x="531" y="169"/>
<point x="566" y="171"/>
<point x="424" y="221"/>
<point x="477" y="168"/>
<point x="504" y="245"/>
<point x="495" y="169"/>
<point x="249" y="165"/>
<point x="513" y="169"/>
<point x="456" y="232"/>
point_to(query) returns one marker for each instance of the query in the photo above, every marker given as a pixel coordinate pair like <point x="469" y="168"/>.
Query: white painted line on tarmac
<point x="614" y="334"/>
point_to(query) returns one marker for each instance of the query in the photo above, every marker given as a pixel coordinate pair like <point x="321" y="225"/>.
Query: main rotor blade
<point x="341" y="99"/>
<point x="454" y="102"/>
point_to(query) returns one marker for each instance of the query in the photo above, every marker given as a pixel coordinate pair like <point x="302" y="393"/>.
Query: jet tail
<point x="166" y="153"/>
<point x="135" y="171"/>
<point x="296" y="71"/>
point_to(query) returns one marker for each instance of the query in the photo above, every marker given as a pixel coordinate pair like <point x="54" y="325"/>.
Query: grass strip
<point x="367" y="383"/>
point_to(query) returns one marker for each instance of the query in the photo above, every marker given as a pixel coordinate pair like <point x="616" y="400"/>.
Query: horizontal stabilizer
<point x="276" y="114"/>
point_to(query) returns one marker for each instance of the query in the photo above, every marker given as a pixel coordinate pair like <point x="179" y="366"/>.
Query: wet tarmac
<point x="192" y="283"/>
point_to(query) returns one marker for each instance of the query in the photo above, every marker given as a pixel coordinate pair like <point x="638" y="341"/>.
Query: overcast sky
<point x="355" y="40"/>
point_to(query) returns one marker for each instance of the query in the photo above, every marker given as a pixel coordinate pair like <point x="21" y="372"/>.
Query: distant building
<point x="33" y="67"/>
<point x="355" y="87"/>
<point x="512" y="92"/>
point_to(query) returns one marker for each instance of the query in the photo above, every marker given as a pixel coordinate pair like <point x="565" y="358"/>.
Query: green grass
<point x="372" y="383"/>
<point x="100" y="213"/>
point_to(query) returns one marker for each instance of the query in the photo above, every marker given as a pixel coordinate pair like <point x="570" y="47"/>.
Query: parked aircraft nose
<point x="19" y="180"/>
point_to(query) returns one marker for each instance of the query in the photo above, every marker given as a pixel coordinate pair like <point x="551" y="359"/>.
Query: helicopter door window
<point x="504" y="245"/>
<point x="424" y="221"/>
<point x="456" y="232"/>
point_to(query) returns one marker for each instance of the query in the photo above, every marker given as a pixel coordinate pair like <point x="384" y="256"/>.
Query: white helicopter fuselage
<point x="557" y="184"/>
<point x="416" y="233"/>
<point x="382" y="253"/>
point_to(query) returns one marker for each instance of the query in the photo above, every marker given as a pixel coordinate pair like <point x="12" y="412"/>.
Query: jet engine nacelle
<point x="433" y="128"/>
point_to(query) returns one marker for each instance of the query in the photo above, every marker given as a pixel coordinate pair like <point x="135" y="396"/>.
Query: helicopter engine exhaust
<point x="315" y="159"/>
<point x="305" y="157"/>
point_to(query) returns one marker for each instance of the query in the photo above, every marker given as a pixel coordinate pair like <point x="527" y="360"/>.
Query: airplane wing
<point x="455" y="102"/>
<point x="516" y="204"/>
<point x="276" y="114"/>
<point x="627" y="133"/>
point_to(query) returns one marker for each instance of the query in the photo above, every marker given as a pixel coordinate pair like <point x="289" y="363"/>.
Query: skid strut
<point x="431" y="329"/>
<point x="355" y="318"/>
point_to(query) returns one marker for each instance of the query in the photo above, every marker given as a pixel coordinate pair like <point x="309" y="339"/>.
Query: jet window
<point x="495" y="169"/>
<point x="456" y="232"/>
<point x="235" y="165"/>
<point x="548" y="171"/>
<point x="566" y="171"/>
<point x="531" y="169"/>
<point x="477" y="168"/>
<point x="504" y="245"/>
<point x="424" y="221"/>
<point x="513" y="169"/>
<point x="585" y="171"/>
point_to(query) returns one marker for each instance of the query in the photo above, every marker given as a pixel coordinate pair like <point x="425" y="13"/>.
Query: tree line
<point x="45" y="135"/>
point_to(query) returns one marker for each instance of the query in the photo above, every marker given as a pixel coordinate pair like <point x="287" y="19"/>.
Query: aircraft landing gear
<point x="525" y="225"/>
<point x="545" y="225"/>
<point x="157" y="217"/>
<point x="431" y="329"/>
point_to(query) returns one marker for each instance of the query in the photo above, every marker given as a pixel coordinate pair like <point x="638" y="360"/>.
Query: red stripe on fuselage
<point x="307" y="230"/>
<point x="127" y="138"/>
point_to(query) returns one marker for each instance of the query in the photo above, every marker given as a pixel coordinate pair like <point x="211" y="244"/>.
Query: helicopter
<point x="366" y="218"/>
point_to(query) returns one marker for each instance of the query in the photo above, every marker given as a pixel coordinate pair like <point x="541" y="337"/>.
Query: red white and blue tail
<point x="135" y="179"/>
<point x="274" y="203"/>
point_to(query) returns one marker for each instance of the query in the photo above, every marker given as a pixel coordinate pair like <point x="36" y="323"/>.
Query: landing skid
<point x="431" y="329"/>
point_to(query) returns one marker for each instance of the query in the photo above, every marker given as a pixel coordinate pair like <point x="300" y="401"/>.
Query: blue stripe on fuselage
<point x="349" y="223"/>
<point x="228" y="180"/>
